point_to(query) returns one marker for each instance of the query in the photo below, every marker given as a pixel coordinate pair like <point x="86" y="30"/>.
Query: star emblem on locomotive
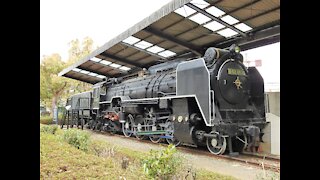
<point x="238" y="83"/>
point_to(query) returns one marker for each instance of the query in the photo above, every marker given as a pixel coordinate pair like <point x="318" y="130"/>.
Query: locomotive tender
<point x="213" y="101"/>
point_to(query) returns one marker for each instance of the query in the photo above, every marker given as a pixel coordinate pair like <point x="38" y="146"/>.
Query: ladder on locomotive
<point x="78" y="113"/>
<point x="76" y="117"/>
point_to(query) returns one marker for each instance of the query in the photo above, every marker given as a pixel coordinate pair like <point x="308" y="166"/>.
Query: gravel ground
<point x="214" y="164"/>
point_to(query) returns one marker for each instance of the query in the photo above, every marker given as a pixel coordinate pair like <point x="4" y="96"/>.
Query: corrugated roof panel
<point x="142" y="34"/>
<point x="207" y="39"/>
<point x="266" y="4"/>
<point x="166" y="44"/>
<point x="265" y="19"/>
<point x="178" y="49"/>
<point x="195" y="33"/>
<point x="137" y="56"/>
<point x="113" y="71"/>
<point x="104" y="69"/>
<point x="154" y="39"/>
<point x="147" y="60"/>
<point x="115" y="49"/>
<point x="71" y="73"/>
<point x="180" y="27"/>
<point x="87" y="64"/>
<point x="255" y="9"/>
<point x="94" y="66"/>
<point x="231" y="4"/>
<point x="126" y="52"/>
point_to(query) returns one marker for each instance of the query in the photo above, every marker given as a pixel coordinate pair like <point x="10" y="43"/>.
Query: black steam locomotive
<point x="214" y="101"/>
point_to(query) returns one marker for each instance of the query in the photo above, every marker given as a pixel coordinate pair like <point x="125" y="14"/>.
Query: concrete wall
<point x="274" y="103"/>
<point x="271" y="137"/>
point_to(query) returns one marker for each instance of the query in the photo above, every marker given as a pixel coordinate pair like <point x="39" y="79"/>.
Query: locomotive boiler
<point x="213" y="101"/>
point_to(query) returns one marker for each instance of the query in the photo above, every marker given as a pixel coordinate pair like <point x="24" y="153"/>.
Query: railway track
<point x="257" y="160"/>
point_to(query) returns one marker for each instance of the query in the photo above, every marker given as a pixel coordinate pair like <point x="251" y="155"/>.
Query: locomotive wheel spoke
<point x="127" y="126"/>
<point x="170" y="132"/>
<point x="135" y="129"/>
<point x="153" y="138"/>
<point x="215" y="146"/>
<point x="240" y="143"/>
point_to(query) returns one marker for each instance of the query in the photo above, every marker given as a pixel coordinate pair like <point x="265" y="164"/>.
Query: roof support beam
<point x="79" y="79"/>
<point x="241" y="7"/>
<point x="214" y="3"/>
<point x="260" y="42"/>
<point x="184" y="55"/>
<point x="262" y="37"/>
<point x="260" y="14"/>
<point x="91" y="70"/>
<point x="104" y="54"/>
<point x="175" y="40"/>
<point x="215" y="18"/>
<point x="255" y="16"/>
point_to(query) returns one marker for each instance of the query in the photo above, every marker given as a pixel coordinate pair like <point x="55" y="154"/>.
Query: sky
<point x="64" y="20"/>
<point x="270" y="60"/>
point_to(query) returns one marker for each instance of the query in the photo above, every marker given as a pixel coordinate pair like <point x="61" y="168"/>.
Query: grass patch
<point x="208" y="175"/>
<point x="268" y="176"/>
<point x="49" y="120"/>
<point x="76" y="138"/>
<point x="46" y="120"/>
<point x="48" y="129"/>
<point x="62" y="158"/>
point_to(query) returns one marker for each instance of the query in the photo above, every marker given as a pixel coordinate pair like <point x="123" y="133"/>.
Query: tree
<point x="51" y="86"/>
<point x="55" y="89"/>
<point x="77" y="52"/>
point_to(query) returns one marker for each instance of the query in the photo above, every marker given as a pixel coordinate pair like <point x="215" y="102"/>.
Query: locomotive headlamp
<point x="237" y="49"/>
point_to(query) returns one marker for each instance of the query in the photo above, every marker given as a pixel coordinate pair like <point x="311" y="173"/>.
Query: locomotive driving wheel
<point x="140" y="127"/>
<point x="156" y="137"/>
<point x="216" y="145"/>
<point x="240" y="143"/>
<point x="170" y="132"/>
<point x="127" y="128"/>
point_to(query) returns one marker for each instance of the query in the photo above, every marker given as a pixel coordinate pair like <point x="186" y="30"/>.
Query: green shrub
<point x="46" y="120"/>
<point x="77" y="138"/>
<point x="162" y="164"/>
<point x="49" y="129"/>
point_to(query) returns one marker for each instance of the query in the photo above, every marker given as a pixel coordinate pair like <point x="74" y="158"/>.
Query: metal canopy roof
<point x="181" y="29"/>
